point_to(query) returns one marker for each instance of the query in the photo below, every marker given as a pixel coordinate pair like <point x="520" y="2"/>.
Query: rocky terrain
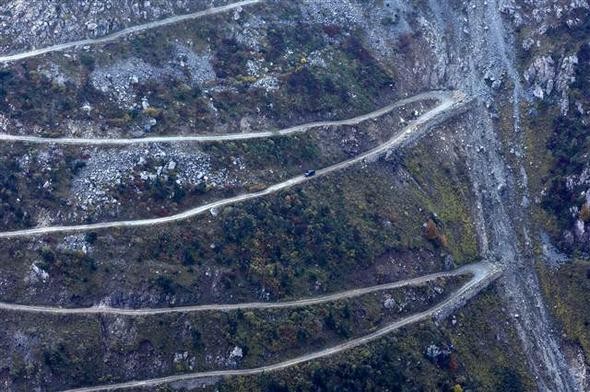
<point x="506" y="180"/>
<point x="50" y="23"/>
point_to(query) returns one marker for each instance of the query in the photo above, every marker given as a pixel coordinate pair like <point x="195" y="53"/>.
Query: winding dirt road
<point x="125" y="32"/>
<point x="479" y="269"/>
<point x="437" y="95"/>
<point x="483" y="274"/>
<point x="449" y="103"/>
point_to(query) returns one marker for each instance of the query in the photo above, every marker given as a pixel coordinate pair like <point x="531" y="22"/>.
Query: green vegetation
<point x="352" y="227"/>
<point x="11" y="212"/>
<point x="569" y="145"/>
<point x="376" y="222"/>
<point x="557" y="149"/>
<point x="346" y="80"/>
<point x="262" y="162"/>
<point x="446" y="194"/>
<point x="557" y="144"/>
<point x="84" y="350"/>
<point x="399" y="362"/>
<point x="568" y="292"/>
<point x="488" y="347"/>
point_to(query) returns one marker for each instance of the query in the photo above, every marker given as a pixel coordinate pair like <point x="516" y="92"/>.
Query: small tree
<point x="432" y="233"/>
<point x="431" y="230"/>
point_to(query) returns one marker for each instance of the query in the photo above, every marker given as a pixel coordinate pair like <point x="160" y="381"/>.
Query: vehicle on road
<point x="309" y="173"/>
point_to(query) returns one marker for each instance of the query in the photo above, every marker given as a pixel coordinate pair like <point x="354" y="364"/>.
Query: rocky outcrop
<point x="564" y="79"/>
<point x="541" y="76"/>
<point x="544" y="77"/>
<point x="28" y="24"/>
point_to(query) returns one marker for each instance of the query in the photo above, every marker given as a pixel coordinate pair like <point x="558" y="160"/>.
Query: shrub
<point x="88" y="61"/>
<point x="166" y="284"/>
<point x="152" y="112"/>
<point x="431" y="230"/>
<point x="433" y="234"/>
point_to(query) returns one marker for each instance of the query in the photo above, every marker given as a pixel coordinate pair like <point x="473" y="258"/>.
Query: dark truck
<point x="309" y="173"/>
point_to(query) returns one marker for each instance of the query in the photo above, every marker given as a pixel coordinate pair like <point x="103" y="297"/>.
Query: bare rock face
<point x="37" y="275"/>
<point x="42" y="23"/>
<point x="541" y="76"/>
<point x="544" y="77"/>
<point x="564" y="79"/>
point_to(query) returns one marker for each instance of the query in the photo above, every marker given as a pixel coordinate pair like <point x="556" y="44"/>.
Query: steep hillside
<point x="164" y="154"/>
